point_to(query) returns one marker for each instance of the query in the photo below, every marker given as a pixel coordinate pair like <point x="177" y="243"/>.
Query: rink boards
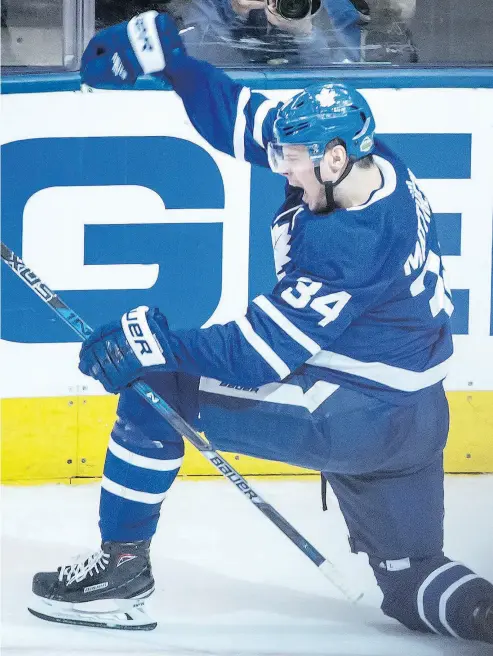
<point x="115" y="200"/>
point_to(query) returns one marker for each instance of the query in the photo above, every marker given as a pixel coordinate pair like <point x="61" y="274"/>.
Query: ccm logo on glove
<point x="144" y="39"/>
<point x="141" y="32"/>
<point x="140" y="338"/>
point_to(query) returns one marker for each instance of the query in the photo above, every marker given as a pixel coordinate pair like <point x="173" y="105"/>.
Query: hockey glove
<point x="119" y="353"/>
<point x="117" y="55"/>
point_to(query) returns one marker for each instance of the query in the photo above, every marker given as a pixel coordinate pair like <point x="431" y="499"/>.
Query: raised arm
<point x="228" y="115"/>
<point x="231" y="117"/>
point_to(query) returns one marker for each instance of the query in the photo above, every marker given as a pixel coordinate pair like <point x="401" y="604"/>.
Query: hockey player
<point x="339" y="368"/>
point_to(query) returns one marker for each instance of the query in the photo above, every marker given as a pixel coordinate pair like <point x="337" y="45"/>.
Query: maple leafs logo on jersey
<point x="281" y="238"/>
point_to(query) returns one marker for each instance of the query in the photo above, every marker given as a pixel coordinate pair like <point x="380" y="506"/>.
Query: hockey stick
<point x="183" y="428"/>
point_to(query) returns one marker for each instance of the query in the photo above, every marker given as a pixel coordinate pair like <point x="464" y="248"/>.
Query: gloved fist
<point x="117" y="55"/>
<point x="120" y="352"/>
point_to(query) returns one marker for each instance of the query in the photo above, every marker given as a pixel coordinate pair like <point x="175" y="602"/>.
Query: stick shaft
<point x="79" y="326"/>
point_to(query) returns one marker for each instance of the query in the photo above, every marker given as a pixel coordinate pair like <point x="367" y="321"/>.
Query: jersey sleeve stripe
<point x="262" y="348"/>
<point x="259" y="119"/>
<point x="240" y="124"/>
<point x="286" y="325"/>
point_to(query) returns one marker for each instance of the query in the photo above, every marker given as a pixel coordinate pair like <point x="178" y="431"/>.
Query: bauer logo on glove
<point x="120" y="352"/>
<point x="140" y="338"/>
<point x="138" y="26"/>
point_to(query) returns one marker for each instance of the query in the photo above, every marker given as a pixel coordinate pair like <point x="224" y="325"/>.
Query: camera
<point x="297" y="9"/>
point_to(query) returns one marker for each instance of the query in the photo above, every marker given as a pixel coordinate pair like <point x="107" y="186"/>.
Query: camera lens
<point x="293" y="9"/>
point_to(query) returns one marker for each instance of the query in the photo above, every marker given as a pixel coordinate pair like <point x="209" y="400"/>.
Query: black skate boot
<point x="104" y="589"/>
<point x="483" y="619"/>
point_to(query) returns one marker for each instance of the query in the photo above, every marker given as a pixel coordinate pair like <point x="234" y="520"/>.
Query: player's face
<point x="298" y="168"/>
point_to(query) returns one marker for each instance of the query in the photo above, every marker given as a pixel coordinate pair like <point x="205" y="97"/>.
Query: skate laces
<point x="83" y="566"/>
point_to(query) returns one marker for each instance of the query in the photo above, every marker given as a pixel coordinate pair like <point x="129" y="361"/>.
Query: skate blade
<point x="129" y="614"/>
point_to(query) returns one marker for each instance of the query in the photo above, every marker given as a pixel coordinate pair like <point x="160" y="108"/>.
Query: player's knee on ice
<point x="432" y="594"/>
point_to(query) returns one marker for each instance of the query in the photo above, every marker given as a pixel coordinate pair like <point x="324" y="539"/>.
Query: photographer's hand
<point x="298" y="26"/>
<point x="244" y="7"/>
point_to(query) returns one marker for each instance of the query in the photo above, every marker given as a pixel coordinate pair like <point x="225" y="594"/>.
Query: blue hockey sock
<point x="137" y="474"/>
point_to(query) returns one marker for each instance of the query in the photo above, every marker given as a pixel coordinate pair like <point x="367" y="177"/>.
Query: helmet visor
<point x="286" y="158"/>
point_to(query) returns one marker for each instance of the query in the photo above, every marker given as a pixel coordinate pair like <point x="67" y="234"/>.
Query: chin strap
<point x="329" y="186"/>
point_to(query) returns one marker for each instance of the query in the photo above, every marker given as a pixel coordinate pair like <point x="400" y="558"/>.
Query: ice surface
<point x="228" y="582"/>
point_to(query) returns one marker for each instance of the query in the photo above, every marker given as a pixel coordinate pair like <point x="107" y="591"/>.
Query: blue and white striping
<point x="286" y="325"/>
<point x="265" y="321"/>
<point x="138" y="477"/>
<point x="133" y="489"/>
<point x="436" y="593"/>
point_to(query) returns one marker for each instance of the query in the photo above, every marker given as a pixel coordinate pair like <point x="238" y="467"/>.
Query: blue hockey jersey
<point x="361" y="299"/>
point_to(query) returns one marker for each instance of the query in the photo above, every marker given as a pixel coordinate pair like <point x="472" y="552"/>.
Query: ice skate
<point x="105" y="589"/>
